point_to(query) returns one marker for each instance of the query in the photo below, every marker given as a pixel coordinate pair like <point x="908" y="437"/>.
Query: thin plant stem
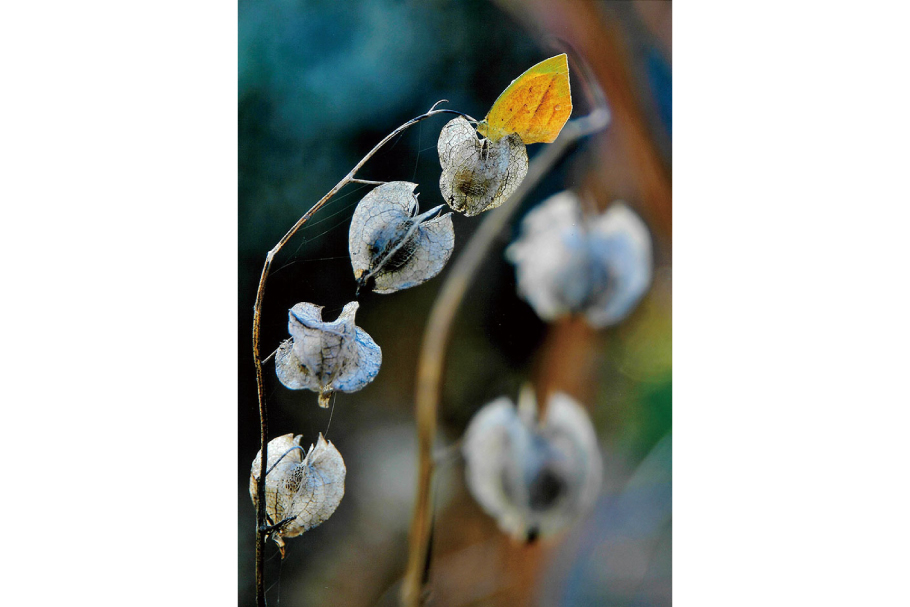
<point x="269" y="357"/>
<point x="262" y="529"/>
<point x="439" y="325"/>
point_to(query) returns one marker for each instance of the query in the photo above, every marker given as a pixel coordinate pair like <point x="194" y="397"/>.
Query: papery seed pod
<point x="567" y="264"/>
<point x="392" y="245"/>
<point x="478" y="175"/>
<point x="534" y="477"/>
<point x="326" y="356"/>
<point x="300" y="492"/>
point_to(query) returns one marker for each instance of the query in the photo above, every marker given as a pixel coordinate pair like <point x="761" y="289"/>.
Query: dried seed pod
<point x="300" y="492"/>
<point x="535" y="478"/>
<point x="477" y="174"/>
<point x="392" y="245"/>
<point x="566" y="263"/>
<point x="326" y="356"/>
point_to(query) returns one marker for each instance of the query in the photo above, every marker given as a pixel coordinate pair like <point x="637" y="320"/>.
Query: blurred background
<point x="320" y="83"/>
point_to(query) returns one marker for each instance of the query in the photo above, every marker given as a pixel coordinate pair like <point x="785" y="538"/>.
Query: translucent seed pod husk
<point x="535" y="477"/>
<point x="478" y="174"/>
<point x="393" y="246"/>
<point x="301" y="492"/>
<point x="568" y="263"/>
<point x="326" y="356"/>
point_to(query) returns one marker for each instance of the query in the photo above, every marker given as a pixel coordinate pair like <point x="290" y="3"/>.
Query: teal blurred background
<point x="319" y="84"/>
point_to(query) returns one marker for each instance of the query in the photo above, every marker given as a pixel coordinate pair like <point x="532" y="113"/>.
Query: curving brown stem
<point x="436" y="336"/>
<point x="262" y="529"/>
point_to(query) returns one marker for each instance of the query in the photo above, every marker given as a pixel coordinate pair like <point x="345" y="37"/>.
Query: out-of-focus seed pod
<point x="393" y="245"/>
<point x="478" y="175"/>
<point x="566" y="263"/>
<point x="535" y="477"/>
<point x="326" y="356"/>
<point x="300" y="492"/>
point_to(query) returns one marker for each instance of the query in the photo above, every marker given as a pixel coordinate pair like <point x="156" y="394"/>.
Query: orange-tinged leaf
<point x="536" y="105"/>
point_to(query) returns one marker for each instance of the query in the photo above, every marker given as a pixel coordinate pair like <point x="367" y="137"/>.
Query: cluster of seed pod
<point x="392" y="247"/>
<point x="534" y="476"/>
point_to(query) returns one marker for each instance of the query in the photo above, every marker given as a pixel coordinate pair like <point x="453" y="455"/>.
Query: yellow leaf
<point x="536" y="105"/>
